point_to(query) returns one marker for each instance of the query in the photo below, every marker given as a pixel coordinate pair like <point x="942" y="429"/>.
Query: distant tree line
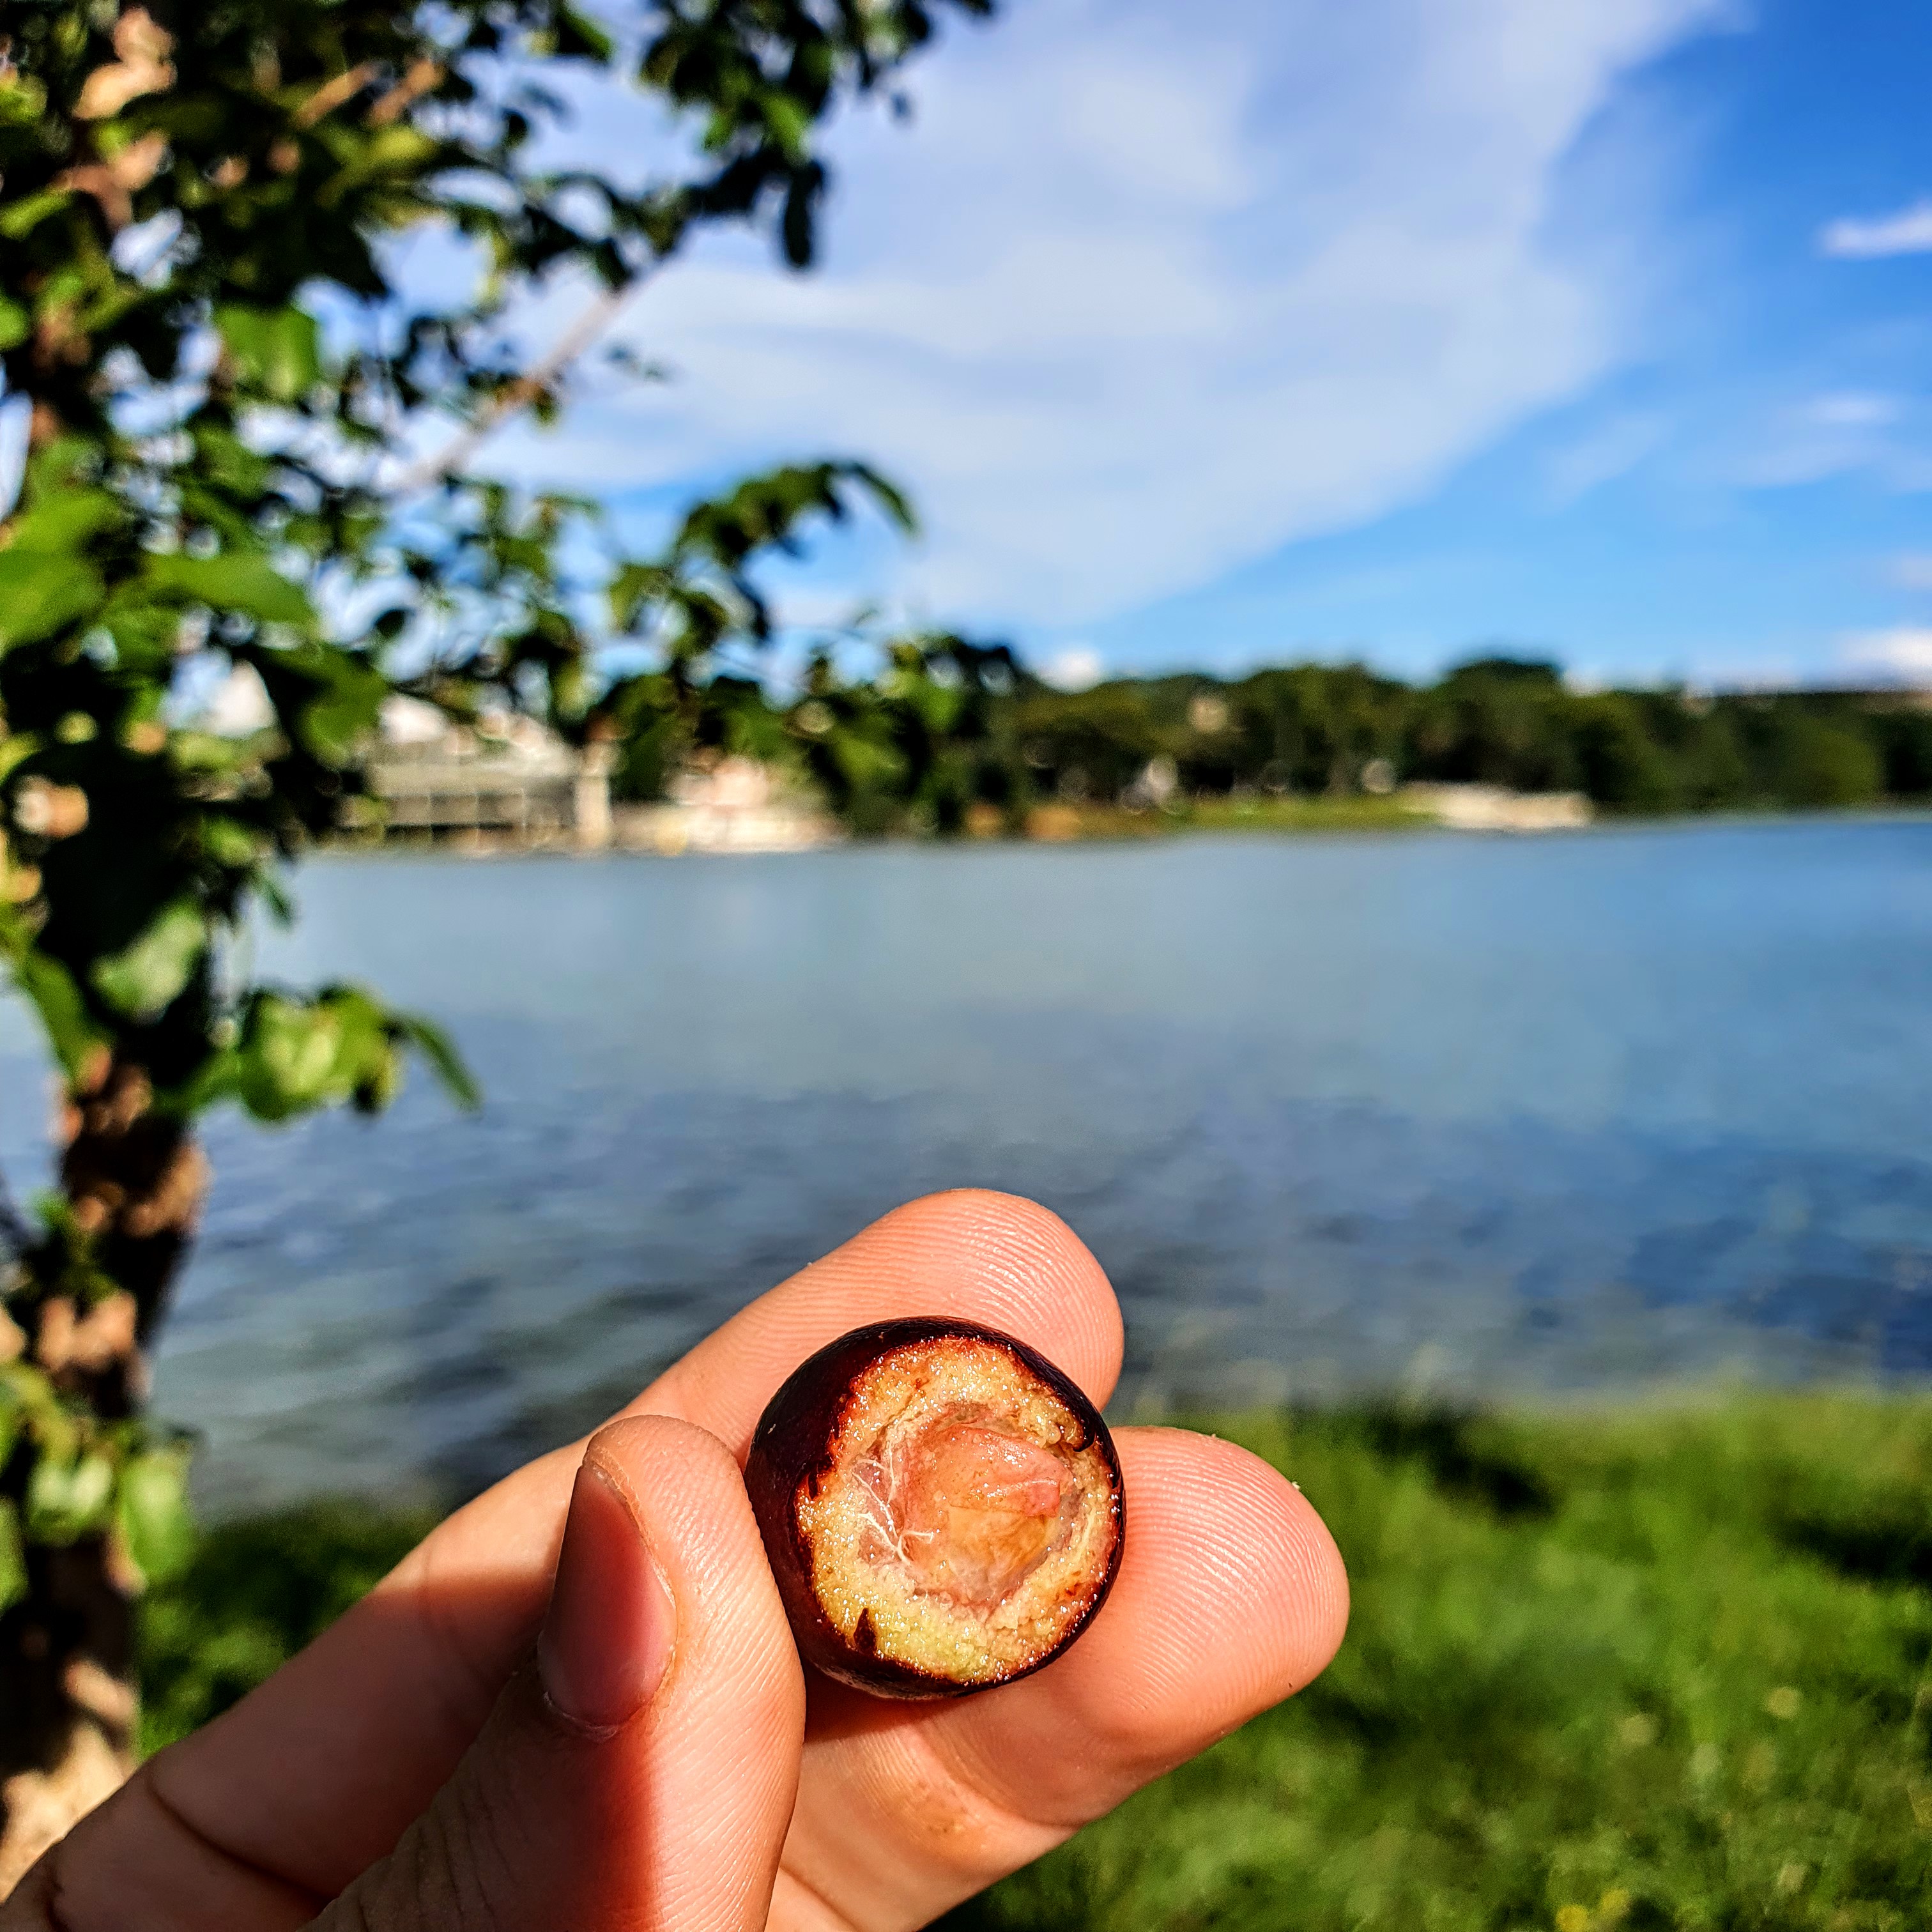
<point x="978" y="729"/>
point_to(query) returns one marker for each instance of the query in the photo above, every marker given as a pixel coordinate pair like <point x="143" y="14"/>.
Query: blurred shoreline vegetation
<point x="983" y="746"/>
<point x="1660" y="1665"/>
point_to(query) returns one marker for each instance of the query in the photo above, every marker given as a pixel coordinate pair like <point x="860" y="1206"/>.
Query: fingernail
<point x="607" y="1638"/>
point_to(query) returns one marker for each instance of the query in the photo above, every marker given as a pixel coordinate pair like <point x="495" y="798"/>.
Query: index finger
<point x="376" y="1712"/>
<point x="993" y="1258"/>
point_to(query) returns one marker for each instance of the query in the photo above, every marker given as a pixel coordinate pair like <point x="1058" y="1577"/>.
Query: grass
<point x="257" y="1591"/>
<point x="1631" y="1669"/>
<point x="1213" y="814"/>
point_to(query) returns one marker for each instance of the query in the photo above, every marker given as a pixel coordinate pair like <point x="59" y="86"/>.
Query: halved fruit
<point x="942" y="1507"/>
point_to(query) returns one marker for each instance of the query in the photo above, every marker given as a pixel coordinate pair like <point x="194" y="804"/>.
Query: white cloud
<point x="1076" y="667"/>
<point x="1145" y="292"/>
<point x="1853" y="408"/>
<point x="1902" y="654"/>
<point x="1913" y="571"/>
<point x="1606" y="453"/>
<point x="1906" y="231"/>
<point x="1836" y="434"/>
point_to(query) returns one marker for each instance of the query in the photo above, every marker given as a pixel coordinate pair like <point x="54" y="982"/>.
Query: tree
<point x="913" y="747"/>
<point x="1088" y="743"/>
<point x="1498" y="721"/>
<point x="1621" y="763"/>
<point x="228" y="391"/>
<point x="1822" y="761"/>
<point x="1313" y="728"/>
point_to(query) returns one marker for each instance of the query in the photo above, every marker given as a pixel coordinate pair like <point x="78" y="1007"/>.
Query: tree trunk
<point x="134" y="1181"/>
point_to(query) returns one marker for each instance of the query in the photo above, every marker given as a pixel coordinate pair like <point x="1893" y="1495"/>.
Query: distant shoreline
<point x="1115" y="825"/>
<point x="1294" y="817"/>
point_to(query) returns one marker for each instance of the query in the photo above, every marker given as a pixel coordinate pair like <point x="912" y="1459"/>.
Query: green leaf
<point x="151" y="1511"/>
<point x="277" y="351"/>
<point x="230" y="464"/>
<point x="13" y="1555"/>
<point x="16" y="324"/>
<point x="240" y="581"/>
<point x="229" y="843"/>
<point x="331" y="698"/>
<point x="23" y="100"/>
<point x="634" y="587"/>
<point x="16" y="750"/>
<point x="363" y="1051"/>
<point x="380" y="1080"/>
<point x="68" y="1498"/>
<point x="397" y="151"/>
<point x="58" y="999"/>
<point x="445" y="1062"/>
<point x="24" y="217"/>
<point x="866" y="764"/>
<point x="42" y="592"/>
<point x="146" y="977"/>
<point x="579" y="37"/>
<point x="336" y="724"/>
<point x="790" y="121"/>
<point x="60" y="517"/>
<point x="286" y="1056"/>
<point x="216" y="1078"/>
<point x="30" y="1397"/>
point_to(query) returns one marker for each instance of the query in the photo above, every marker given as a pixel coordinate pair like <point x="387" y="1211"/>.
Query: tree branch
<point x="517" y="396"/>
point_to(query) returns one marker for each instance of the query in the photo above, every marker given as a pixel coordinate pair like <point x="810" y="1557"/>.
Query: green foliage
<point x="229" y="390"/>
<point x="13" y="1555"/>
<point x="77" y="1476"/>
<point x="189" y="192"/>
<point x="1825" y="763"/>
<point x="1647" y="1670"/>
<point x="150" y="1512"/>
<point x="1315" y="731"/>
<point x="253" y="1593"/>
<point x="696" y="599"/>
<point x="293" y="1053"/>
<point x="913" y="747"/>
<point x="150" y="973"/>
<point x="1237" y="812"/>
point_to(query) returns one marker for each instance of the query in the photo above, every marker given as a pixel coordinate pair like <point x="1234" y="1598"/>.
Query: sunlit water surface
<point x="1472" y="1115"/>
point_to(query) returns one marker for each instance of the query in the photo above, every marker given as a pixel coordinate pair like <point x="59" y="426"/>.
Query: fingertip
<point x="996" y="1259"/>
<point x="1232" y="1596"/>
<point x="1290" y="1551"/>
<point x="1023" y="1268"/>
<point x="631" y="1444"/>
<point x="612" y="1620"/>
<point x="1211" y="1522"/>
<point x="684" y="1488"/>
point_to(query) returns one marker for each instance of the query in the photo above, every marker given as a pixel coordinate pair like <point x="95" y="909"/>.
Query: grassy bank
<point x="1248" y="813"/>
<point x="1635" y="1670"/>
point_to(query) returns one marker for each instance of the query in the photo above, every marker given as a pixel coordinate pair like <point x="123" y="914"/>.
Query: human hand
<point x="636" y="1747"/>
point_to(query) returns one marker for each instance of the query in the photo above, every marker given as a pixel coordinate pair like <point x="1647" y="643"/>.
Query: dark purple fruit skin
<point x="791" y="1451"/>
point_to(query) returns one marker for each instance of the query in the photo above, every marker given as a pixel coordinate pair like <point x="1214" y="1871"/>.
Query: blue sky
<point x="1245" y="330"/>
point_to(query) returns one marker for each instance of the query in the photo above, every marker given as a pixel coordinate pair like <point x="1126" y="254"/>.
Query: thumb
<point x="639" y="1771"/>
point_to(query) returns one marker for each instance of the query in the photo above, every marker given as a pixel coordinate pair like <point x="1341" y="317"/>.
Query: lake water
<point x="1475" y="1115"/>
